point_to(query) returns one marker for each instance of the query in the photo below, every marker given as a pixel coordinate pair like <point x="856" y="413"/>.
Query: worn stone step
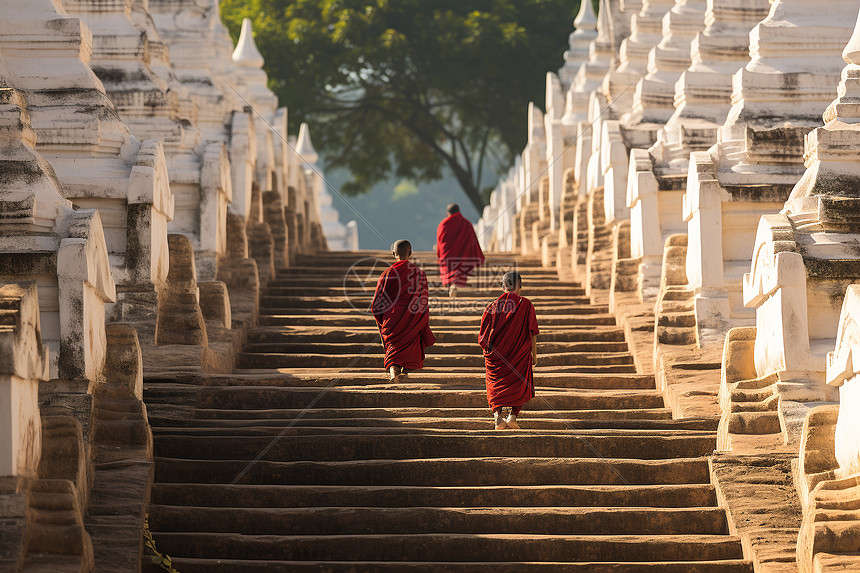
<point x="206" y="565"/>
<point x="350" y="320"/>
<point x="443" y="336"/>
<point x="336" y="446"/>
<point x="186" y="419"/>
<point x="254" y="357"/>
<point x="168" y="410"/>
<point x="374" y="379"/>
<point x="438" y="472"/>
<point x="251" y="397"/>
<point x="336" y="288"/>
<point x="456" y="547"/>
<point x="355" y="300"/>
<point x="423" y="520"/>
<point x="271" y="496"/>
<point x="443" y="308"/>
<point x="302" y="347"/>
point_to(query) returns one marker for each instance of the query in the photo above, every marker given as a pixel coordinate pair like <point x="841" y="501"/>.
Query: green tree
<point x="410" y="87"/>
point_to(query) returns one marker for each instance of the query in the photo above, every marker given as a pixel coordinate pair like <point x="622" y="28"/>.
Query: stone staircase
<point x="308" y="459"/>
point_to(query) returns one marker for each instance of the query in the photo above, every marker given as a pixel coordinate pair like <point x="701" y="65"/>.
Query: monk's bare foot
<point x="512" y="422"/>
<point x="394" y="374"/>
<point x="404" y="374"/>
<point x="452" y="291"/>
<point x="499" y="421"/>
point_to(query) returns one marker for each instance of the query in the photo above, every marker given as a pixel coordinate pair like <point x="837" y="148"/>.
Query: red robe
<point x="400" y="307"/>
<point x="458" y="249"/>
<point x="507" y="327"/>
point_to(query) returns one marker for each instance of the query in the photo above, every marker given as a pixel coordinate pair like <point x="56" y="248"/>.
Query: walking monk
<point x="509" y="339"/>
<point x="457" y="248"/>
<point x="400" y="307"/>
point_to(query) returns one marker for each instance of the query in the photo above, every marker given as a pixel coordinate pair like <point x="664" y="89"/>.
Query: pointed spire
<point x="304" y="146"/>
<point x="246" y="53"/>
<point x="851" y="54"/>
<point x="586" y="19"/>
<point x="603" y="24"/>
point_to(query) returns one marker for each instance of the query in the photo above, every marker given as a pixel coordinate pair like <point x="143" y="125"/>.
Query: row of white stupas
<point x="148" y="188"/>
<point x="706" y="155"/>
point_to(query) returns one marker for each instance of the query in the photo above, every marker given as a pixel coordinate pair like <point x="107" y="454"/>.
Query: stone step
<point x="480" y="471"/>
<point x="456" y="547"/>
<point x="161" y="416"/>
<point x="336" y="288"/>
<point x="363" y="301"/>
<point x="375" y="379"/>
<point x="442" y="348"/>
<point x="254" y="357"/>
<point x="445" y="308"/>
<point x="271" y="496"/>
<point x="427" y="520"/>
<point x="341" y="445"/>
<point x="473" y="321"/>
<point x="443" y="335"/>
<point x="253" y="397"/>
<point x="168" y="409"/>
<point x="269" y="566"/>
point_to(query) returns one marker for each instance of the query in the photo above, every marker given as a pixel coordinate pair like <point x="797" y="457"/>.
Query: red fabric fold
<point x="507" y="327"/>
<point x="458" y="249"/>
<point x="400" y="307"/>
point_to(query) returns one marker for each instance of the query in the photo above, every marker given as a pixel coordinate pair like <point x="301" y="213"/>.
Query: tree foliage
<point x="410" y="87"/>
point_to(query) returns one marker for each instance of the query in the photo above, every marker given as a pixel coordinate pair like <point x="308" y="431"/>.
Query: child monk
<point x="400" y="307"/>
<point x="509" y="339"/>
<point x="458" y="249"/>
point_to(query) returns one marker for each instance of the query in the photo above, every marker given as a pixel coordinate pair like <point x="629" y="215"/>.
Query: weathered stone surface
<point x="97" y="162"/>
<point x="180" y="321"/>
<point x="23" y="364"/>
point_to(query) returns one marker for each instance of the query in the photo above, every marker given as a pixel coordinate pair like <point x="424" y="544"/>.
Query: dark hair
<point x="453" y="208"/>
<point x="401" y="248"/>
<point x="511" y="280"/>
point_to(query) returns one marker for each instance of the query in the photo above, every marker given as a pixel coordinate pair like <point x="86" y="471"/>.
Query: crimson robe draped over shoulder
<point x="400" y="307"/>
<point x="507" y="327"/>
<point x="458" y="249"/>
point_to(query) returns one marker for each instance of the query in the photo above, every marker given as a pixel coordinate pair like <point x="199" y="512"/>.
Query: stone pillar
<point x="209" y="211"/>
<point x="556" y="158"/>
<point x="181" y="321"/>
<point x="23" y="364"/>
<point x="243" y="155"/>
<point x="646" y="236"/>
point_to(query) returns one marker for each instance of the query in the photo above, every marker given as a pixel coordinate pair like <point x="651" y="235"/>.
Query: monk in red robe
<point x="509" y="339"/>
<point x="458" y="249"/>
<point x="400" y="307"/>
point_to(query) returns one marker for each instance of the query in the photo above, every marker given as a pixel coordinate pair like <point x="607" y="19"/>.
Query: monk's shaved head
<point x="512" y="280"/>
<point x="402" y="249"/>
<point x="453" y="208"/>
